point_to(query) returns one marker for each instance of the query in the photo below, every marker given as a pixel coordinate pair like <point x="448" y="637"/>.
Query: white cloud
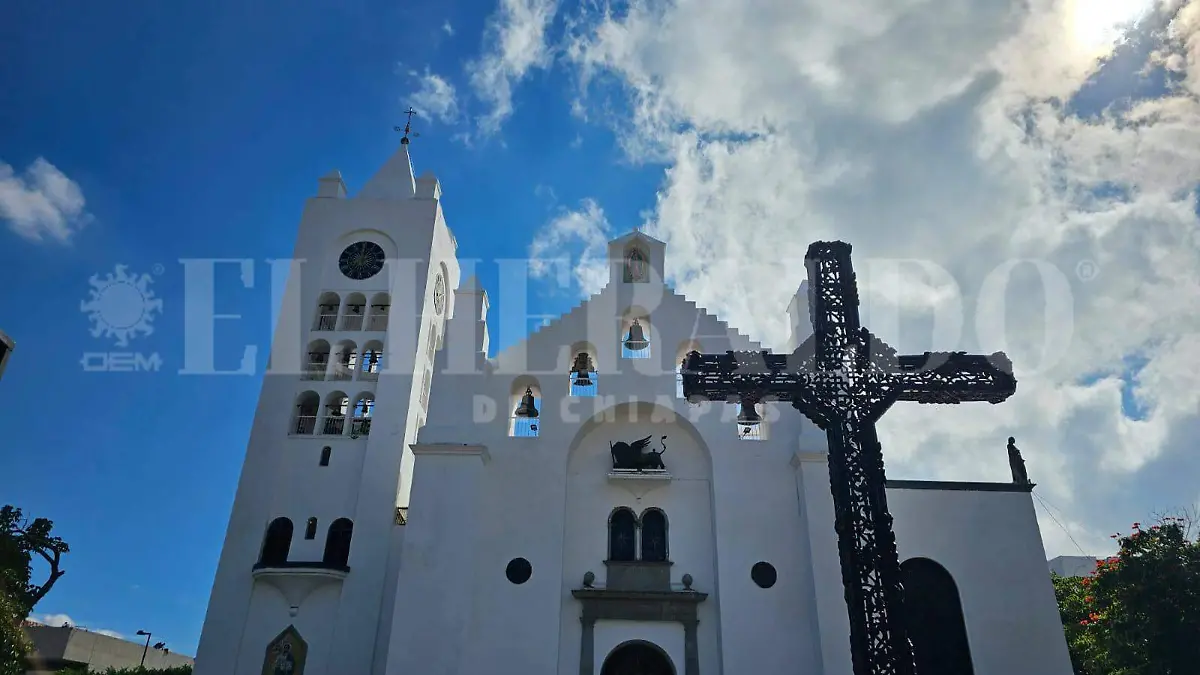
<point x="43" y="204"/>
<point x="59" y="620"/>
<point x="447" y="28"/>
<point x="939" y="131"/>
<point x="435" y="98"/>
<point x="52" y="619"/>
<point x="572" y="249"/>
<point x="514" y="43"/>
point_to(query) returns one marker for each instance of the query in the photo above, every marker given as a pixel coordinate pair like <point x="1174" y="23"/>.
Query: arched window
<point x="325" y="453"/>
<point x="327" y="311"/>
<point x="337" y="404"/>
<point x="934" y="616"/>
<point x="360" y="424"/>
<point x="345" y="360"/>
<point x="685" y="347"/>
<point x="584" y="380"/>
<point x="525" y="401"/>
<point x="635" y="334"/>
<point x="377" y="316"/>
<point x="310" y="529"/>
<point x="318" y="360"/>
<point x="277" y="543"/>
<point x="356" y="309"/>
<point x="371" y="361"/>
<point x="337" y="543"/>
<point x="752" y="427"/>
<point x="622" y="534"/>
<point x="654" y="536"/>
<point x="308" y="406"/>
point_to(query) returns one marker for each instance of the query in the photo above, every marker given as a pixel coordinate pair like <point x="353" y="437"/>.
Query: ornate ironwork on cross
<point x="844" y="379"/>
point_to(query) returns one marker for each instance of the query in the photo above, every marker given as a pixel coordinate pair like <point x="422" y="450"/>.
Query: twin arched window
<point x="632" y="538"/>
<point x="278" y="542"/>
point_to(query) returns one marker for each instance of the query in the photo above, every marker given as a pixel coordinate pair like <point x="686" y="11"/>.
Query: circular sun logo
<point x="121" y="305"/>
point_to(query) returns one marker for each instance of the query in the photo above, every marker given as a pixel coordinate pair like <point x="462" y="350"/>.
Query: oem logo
<point x="121" y="306"/>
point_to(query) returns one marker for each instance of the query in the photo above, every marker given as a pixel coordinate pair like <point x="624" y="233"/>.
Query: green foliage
<point x="172" y="670"/>
<point x="14" y="645"/>
<point x="20" y="541"/>
<point x="1139" y="614"/>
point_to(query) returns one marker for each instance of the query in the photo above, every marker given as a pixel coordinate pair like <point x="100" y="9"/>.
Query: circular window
<point x="763" y="574"/>
<point x="518" y="571"/>
<point x="361" y="260"/>
<point x="439" y="294"/>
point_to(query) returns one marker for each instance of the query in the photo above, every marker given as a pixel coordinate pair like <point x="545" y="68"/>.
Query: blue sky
<point x="196" y="131"/>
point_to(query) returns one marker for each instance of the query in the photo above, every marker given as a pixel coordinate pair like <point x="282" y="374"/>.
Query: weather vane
<point x="407" y="126"/>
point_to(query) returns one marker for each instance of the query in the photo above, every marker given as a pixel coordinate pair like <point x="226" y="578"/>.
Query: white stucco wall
<point x="990" y="543"/>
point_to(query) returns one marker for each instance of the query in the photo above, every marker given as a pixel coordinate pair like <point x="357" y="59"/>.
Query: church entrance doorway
<point x="637" y="658"/>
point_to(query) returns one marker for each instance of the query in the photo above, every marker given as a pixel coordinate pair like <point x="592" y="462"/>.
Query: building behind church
<point x="59" y="647"/>
<point x="412" y="503"/>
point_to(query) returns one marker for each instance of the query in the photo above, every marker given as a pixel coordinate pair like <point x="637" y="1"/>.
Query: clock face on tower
<point x="439" y="294"/>
<point x="361" y="260"/>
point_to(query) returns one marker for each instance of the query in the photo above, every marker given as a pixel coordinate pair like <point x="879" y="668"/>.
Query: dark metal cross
<point x="844" y="379"/>
<point x="407" y="128"/>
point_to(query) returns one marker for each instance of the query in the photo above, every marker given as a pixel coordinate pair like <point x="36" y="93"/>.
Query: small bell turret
<point x="636" y="341"/>
<point x="526" y="408"/>
<point x="582" y="368"/>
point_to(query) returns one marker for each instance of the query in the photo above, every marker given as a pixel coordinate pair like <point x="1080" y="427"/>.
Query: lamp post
<point x="147" y="647"/>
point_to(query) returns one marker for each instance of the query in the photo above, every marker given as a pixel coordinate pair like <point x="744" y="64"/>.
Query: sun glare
<point x="1096" y="26"/>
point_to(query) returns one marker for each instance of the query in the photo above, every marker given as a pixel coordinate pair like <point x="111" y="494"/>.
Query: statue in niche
<point x="638" y="456"/>
<point x="1016" y="463"/>
<point x="286" y="654"/>
<point x="635" y="267"/>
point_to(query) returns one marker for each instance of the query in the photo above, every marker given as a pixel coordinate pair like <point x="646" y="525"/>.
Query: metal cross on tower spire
<point x="844" y="379"/>
<point x="407" y="126"/>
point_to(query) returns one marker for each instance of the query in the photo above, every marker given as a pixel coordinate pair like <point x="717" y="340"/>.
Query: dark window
<point x="654" y="536"/>
<point x="933" y="613"/>
<point x="337" y="543"/>
<point x="518" y="571"/>
<point x="764" y="574"/>
<point x="277" y="543"/>
<point x="622" y="527"/>
<point x="310" y="529"/>
<point x="325" y="453"/>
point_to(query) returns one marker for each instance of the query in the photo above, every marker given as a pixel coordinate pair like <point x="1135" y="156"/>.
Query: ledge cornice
<point x="455" y="449"/>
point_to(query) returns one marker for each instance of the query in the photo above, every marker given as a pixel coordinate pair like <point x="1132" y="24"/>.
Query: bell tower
<point x="312" y="545"/>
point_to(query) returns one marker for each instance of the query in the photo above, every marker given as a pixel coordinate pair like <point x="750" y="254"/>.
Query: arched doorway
<point x="934" y="617"/>
<point x="637" y="658"/>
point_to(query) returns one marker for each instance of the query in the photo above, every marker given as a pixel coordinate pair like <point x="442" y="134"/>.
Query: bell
<point x="526" y="409"/>
<point x="636" y="341"/>
<point x="582" y="368"/>
<point x="748" y="416"/>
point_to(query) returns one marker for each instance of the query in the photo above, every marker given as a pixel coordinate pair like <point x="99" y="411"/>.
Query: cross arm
<point x="956" y="377"/>
<point x="735" y="375"/>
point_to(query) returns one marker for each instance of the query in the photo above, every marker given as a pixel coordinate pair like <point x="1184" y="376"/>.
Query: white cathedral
<point x="411" y="505"/>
